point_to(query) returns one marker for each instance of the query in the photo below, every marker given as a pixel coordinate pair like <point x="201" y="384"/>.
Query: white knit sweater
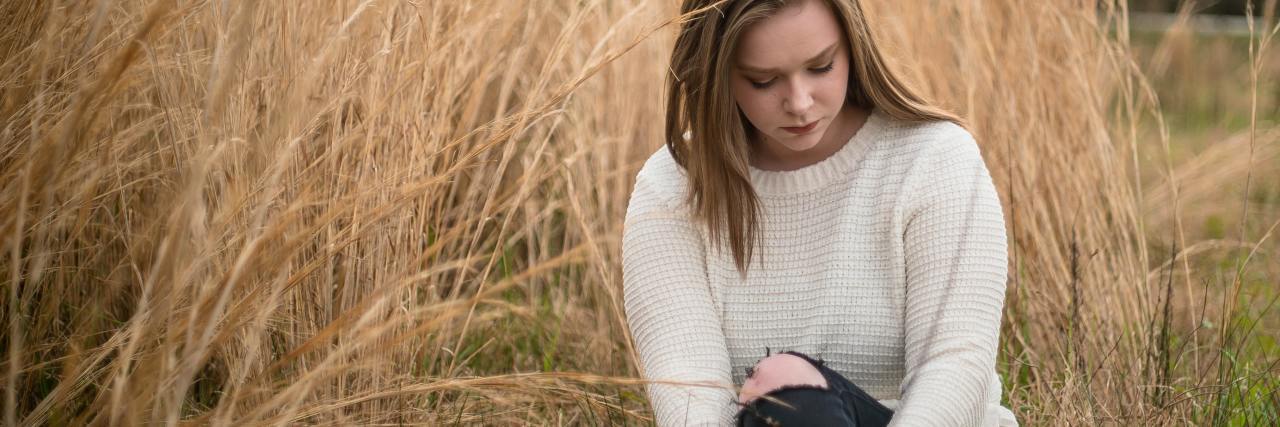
<point x="887" y="260"/>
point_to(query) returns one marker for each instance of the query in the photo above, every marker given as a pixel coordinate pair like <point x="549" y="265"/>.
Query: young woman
<point x="808" y="200"/>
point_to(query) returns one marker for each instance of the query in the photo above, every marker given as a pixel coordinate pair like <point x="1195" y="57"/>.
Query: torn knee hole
<point x="778" y="371"/>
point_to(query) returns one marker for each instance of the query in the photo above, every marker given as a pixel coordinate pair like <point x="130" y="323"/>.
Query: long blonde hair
<point x="699" y="102"/>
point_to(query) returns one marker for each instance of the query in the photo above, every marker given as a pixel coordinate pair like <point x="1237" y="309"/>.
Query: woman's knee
<point x="777" y="371"/>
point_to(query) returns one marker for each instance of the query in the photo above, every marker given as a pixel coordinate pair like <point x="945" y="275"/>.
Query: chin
<point x="804" y="144"/>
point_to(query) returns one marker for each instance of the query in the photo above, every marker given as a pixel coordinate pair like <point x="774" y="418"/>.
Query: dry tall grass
<point x="367" y="211"/>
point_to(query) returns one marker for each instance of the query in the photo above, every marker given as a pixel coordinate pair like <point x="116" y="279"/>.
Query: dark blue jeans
<point x="840" y="404"/>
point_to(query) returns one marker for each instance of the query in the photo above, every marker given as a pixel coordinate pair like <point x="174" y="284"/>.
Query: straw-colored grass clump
<point x="376" y="212"/>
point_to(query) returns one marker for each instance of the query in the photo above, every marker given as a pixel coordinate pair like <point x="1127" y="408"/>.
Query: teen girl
<point x="808" y="200"/>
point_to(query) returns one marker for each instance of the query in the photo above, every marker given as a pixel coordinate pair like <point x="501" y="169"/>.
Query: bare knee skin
<point x="777" y="371"/>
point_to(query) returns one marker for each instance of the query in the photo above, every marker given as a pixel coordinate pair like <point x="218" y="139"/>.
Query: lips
<point x="802" y="129"/>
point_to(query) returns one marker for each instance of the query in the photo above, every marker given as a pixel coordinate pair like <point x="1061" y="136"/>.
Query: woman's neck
<point x="846" y="124"/>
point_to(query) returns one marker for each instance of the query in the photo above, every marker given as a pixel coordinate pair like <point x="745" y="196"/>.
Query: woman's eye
<point x="759" y="85"/>
<point x="823" y="70"/>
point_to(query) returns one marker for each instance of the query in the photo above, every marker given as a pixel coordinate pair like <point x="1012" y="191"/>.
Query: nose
<point x="798" y="99"/>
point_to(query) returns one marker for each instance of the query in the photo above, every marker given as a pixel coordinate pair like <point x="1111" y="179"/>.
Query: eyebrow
<point x="824" y="52"/>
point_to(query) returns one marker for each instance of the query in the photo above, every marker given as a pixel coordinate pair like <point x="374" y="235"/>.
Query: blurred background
<point x="375" y="212"/>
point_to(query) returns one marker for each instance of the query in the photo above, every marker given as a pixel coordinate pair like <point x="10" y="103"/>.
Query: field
<point x="409" y="212"/>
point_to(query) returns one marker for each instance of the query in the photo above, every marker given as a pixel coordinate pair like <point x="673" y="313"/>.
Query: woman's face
<point x="790" y="76"/>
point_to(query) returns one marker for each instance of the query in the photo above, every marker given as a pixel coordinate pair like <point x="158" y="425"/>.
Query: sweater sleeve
<point x="956" y="263"/>
<point x="671" y="316"/>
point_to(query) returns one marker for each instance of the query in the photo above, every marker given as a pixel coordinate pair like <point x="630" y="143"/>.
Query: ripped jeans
<point x="840" y="404"/>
